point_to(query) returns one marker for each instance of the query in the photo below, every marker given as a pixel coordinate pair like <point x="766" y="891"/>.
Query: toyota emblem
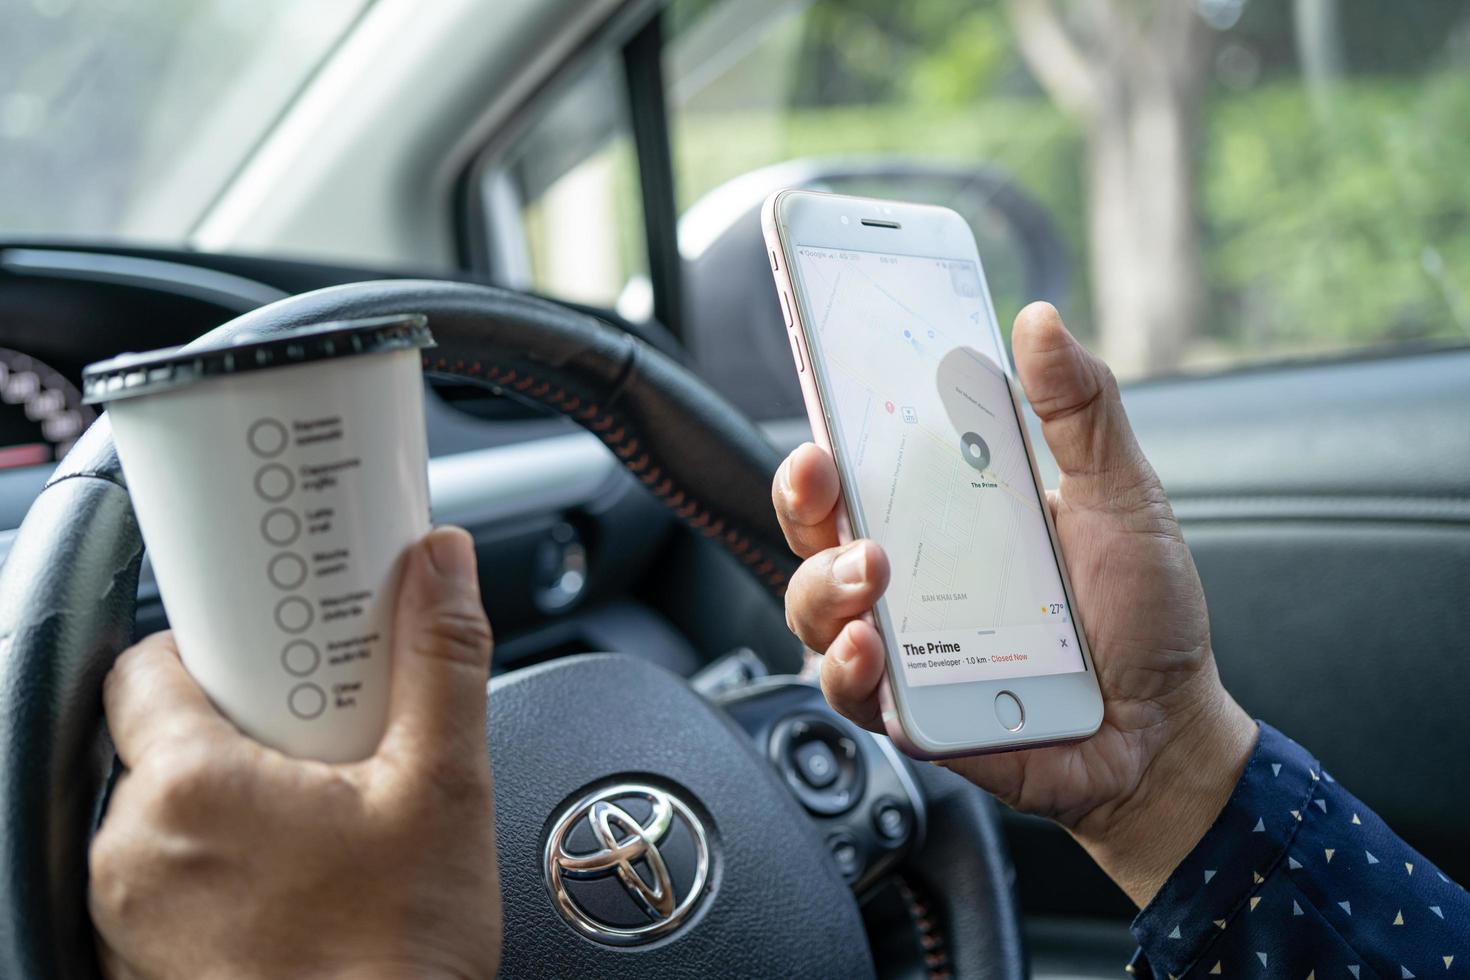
<point x="627" y="864"/>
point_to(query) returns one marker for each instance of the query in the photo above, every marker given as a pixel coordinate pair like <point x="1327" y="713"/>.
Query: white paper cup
<point x="277" y="483"/>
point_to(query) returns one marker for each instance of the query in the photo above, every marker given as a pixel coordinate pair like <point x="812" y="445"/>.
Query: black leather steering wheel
<point x="774" y="903"/>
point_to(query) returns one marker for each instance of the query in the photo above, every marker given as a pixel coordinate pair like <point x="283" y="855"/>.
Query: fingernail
<point x="840" y="653"/>
<point x="851" y="567"/>
<point x="452" y="552"/>
<point x="783" y="477"/>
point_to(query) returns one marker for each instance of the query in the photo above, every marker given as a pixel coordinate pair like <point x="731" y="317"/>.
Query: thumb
<point x="1076" y="397"/>
<point x="441" y="648"/>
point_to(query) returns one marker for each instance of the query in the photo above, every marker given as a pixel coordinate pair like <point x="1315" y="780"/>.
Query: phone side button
<point x="796" y="353"/>
<point x="786" y="307"/>
<point x="1008" y="711"/>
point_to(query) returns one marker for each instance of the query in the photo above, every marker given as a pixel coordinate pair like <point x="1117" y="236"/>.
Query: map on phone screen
<point x="928" y="438"/>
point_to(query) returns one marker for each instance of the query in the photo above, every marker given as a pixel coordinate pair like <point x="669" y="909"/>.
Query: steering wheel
<point x="737" y="876"/>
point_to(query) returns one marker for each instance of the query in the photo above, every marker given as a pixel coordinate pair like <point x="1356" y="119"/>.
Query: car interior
<point x="518" y="173"/>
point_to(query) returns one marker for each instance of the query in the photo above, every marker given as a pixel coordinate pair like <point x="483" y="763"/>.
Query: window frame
<point x="490" y="234"/>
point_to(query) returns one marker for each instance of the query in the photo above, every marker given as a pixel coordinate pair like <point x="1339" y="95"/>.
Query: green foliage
<point x="939" y="52"/>
<point x="968" y="62"/>
<point x="1343" y="230"/>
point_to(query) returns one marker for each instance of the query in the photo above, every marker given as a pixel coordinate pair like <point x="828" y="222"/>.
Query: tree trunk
<point x="1319" y="49"/>
<point x="1133" y="81"/>
<point x="1143" y="236"/>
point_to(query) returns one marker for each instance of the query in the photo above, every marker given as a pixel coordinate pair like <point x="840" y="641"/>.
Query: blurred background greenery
<point x="1327" y="148"/>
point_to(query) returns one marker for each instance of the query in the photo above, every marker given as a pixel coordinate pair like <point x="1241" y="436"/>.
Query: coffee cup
<point x="277" y="482"/>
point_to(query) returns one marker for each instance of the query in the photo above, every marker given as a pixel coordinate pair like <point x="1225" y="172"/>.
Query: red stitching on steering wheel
<point x="926" y="931"/>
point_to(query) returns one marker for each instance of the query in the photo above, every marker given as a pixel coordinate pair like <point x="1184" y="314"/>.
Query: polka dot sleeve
<point x="1298" y="879"/>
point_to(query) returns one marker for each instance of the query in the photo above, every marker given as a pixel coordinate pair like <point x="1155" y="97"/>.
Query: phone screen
<point x="930" y="446"/>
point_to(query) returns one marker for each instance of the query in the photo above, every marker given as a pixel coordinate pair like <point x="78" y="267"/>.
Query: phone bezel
<point x="942" y="719"/>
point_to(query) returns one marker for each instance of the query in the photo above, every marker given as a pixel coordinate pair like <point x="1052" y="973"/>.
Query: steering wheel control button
<point x="294" y="615"/>
<point x="1009" y="712"/>
<point x="280" y="527"/>
<point x="307" y="701"/>
<point x="274" y="482"/>
<point x="846" y="854"/>
<point x="267" y="438"/>
<point x="891" y="820"/>
<point x="627" y="864"/>
<point x="819" y="761"/>
<point x="816" y="763"/>
<point x="559" y="569"/>
<point x="300" y="658"/>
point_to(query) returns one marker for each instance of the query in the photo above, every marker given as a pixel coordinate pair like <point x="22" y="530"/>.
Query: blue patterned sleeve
<point x="1298" y="879"/>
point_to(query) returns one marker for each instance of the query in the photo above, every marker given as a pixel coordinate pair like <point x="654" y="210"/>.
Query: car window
<point x="561" y="197"/>
<point x="1195" y="184"/>
<point x="123" y="120"/>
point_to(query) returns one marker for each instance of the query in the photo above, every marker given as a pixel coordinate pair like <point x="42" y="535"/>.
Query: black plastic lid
<point x="148" y="373"/>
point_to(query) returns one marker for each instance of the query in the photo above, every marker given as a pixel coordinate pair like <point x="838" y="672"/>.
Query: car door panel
<point x="1328" y="510"/>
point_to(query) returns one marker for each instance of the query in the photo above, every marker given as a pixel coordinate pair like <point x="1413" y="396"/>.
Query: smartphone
<point x="908" y="386"/>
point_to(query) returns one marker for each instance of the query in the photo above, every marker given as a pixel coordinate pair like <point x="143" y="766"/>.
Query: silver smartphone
<point x="907" y="384"/>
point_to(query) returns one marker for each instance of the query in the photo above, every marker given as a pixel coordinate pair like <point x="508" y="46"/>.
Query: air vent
<point x="875" y="223"/>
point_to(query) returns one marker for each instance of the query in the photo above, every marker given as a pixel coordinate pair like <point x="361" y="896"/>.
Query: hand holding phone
<point x="907" y="386"/>
<point x="1140" y="792"/>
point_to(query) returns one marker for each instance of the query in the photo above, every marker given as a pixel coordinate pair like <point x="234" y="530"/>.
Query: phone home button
<point x="1008" y="711"/>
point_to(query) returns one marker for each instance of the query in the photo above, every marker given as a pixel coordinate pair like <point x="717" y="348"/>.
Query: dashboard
<point x="41" y="411"/>
<point x="62" y="309"/>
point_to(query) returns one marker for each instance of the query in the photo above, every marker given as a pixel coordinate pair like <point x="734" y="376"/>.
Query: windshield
<point x="124" y="119"/>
